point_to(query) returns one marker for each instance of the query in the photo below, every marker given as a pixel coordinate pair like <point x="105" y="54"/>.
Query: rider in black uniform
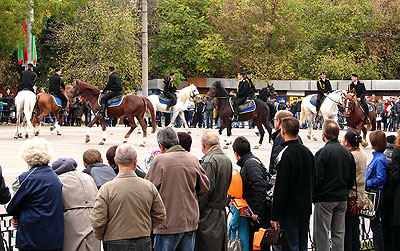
<point x="252" y="87"/>
<point x="56" y="84"/>
<point x="243" y="92"/>
<point x="28" y="78"/>
<point x="112" y="89"/>
<point x="324" y="88"/>
<point x="169" y="90"/>
<point x="358" y="88"/>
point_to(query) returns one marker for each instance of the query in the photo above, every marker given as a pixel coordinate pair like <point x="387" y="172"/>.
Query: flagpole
<point x="29" y="24"/>
<point x="145" y="51"/>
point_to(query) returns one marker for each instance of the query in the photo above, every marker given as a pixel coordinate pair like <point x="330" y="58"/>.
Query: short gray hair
<point x="167" y="137"/>
<point x="36" y="152"/>
<point x="210" y="138"/>
<point x="125" y="154"/>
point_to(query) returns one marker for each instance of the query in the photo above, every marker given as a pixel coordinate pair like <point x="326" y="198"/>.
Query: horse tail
<point x="150" y="109"/>
<point x="303" y="114"/>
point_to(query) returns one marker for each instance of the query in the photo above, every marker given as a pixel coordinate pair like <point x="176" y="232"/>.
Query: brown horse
<point x="260" y="115"/>
<point x="132" y="106"/>
<point x="46" y="104"/>
<point x="355" y="117"/>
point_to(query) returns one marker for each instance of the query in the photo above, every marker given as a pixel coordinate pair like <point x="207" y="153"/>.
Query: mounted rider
<point x="358" y="88"/>
<point x="112" y="89"/>
<point x="252" y="87"/>
<point x="28" y="78"/>
<point x="324" y="88"/>
<point x="170" y="90"/>
<point x="55" y="86"/>
<point x="244" y="91"/>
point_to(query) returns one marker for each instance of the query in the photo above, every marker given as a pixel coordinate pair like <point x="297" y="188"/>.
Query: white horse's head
<point x="194" y="92"/>
<point x="338" y="96"/>
<point x="189" y="92"/>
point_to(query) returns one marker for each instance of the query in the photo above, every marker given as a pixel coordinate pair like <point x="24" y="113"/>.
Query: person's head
<point x="281" y="101"/>
<point x="330" y="130"/>
<point x="279" y="116"/>
<point x="208" y="140"/>
<point x="248" y="74"/>
<point x="322" y="75"/>
<point x="58" y="71"/>
<point x="36" y="152"/>
<point x="63" y="165"/>
<point x="172" y="75"/>
<point x="354" y="77"/>
<point x="30" y="66"/>
<point x="185" y="140"/>
<point x="289" y="128"/>
<point x="294" y="99"/>
<point x="111" y="69"/>
<point x="126" y="157"/>
<point x="352" y="139"/>
<point x="110" y="155"/>
<point x="240" y="147"/>
<point x="8" y="91"/>
<point x="167" y="138"/>
<point x="91" y="157"/>
<point x="240" y="75"/>
<point x="378" y="141"/>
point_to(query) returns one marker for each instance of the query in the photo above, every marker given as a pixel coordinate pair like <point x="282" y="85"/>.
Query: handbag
<point x="234" y="244"/>
<point x="374" y="196"/>
<point x="274" y="237"/>
<point x="352" y="205"/>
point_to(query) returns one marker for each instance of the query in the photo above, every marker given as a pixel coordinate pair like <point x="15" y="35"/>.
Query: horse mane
<point x="352" y="97"/>
<point x="219" y="85"/>
<point x="91" y="90"/>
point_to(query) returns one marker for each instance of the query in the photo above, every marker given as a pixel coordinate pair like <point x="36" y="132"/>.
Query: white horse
<point x="24" y="103"/>
<point x="328" y="110"/>
<point x="184" y="95"/>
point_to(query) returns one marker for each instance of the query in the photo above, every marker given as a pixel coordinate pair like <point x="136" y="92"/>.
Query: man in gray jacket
<point x="210" y="105"/>
<point x="94" y="166"/>
<point x="211" y="234"/>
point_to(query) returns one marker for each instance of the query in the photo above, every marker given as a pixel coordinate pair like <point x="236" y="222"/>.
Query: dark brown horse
<point x="132" y="106"/>
<point x="46" y="104"/>
<point x="260" y="115"/>
<point x="355" y="117"/>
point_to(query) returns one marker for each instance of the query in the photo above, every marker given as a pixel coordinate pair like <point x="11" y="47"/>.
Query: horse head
<point x="75" y="92"/>
<point x="271" y="91"/>
<point x="349" y="103"/>
<point x="194" y="93"/>
<point x="217" y="90"/>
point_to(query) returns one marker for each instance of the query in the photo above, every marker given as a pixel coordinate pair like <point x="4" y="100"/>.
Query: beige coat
<point x="360" y="157"/>
<point x="127" y="207"/>
<point x="79" y="193"/>
<point x="180" y="179"/>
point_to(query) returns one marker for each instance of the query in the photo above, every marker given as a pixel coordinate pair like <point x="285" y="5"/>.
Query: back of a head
<point x="353" y="137"/>
<point x="378" y="140"/>
<point x="330" y="129"/>
<point x="241" y="146"/>
<point x="167" y="137"/>
<point x="185" y="140"/>
<point x="36" y="152"/>
<point x="283" y="114"/>
<point x="91" y="156"/>
<point x="210" y="138"/>
<point x="111" y="154"/>
<point x="126" y="154"/>
<point x="291" y="126"/>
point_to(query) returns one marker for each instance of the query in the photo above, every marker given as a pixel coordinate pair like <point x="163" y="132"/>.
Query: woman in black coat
<point x="395" y="181"/>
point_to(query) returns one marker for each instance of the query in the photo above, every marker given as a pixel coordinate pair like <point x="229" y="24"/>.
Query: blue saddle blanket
<point x="164" y="100"/>
<point x="113" y="103"/>
<point x="57" y="100"/>
<point x="369" y="107"/>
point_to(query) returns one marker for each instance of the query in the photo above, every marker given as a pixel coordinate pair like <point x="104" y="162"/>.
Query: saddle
<point x="248" y="106"/>
<point x="115" y="101"/>
<point x="57" y="100"/>
<point x="370" y="108"/>
<point x="163" y="99"/>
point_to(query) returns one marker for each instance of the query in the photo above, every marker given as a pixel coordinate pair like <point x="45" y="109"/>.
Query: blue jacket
<point x="376" y="172"/>
<point x="241" y="224"/>
<point x="39" y="208"/>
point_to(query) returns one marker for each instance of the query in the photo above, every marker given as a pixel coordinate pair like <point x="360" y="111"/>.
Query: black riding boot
<point x="235" y="115"/>
<point x="367" y="121"/>
<point x="102" y="112"/>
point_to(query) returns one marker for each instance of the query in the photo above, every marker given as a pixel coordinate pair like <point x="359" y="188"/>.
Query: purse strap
<point x="355" y="177"/>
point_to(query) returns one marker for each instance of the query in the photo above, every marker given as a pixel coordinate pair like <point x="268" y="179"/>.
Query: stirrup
<point x="235" y="117"/>
<point x="100" y="115"/>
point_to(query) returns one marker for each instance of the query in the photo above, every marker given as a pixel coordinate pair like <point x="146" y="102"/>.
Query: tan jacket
<point x="79" y="193"/>
<point x="127" y="207"/>
<point x="180" y="179"/>
<point x="360" y="157"/>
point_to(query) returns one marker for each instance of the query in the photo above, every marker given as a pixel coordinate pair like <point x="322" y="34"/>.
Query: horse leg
<point x="133" y="126"/>
<point x="221" y="128"/>
<point x="228" y="140"/>
<point x="172" y="122"/>
<point x="39" y="118"/>
<point x="262" y="133"/>
<point x="87" y="139"/>
<point x="144" y="128"/>
<point x="185" y="125"/>
<point x="364" y="142"/>
<point x="57" y="125"/>
<point x="269" y="130"/>
<point x="18" y="123"/>
<point x="104" y="133"/>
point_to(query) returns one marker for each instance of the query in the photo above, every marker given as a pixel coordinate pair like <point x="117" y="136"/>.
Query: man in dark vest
<point x="358" y="88"/>
<point x="28" y="78"/>
<point x="243" y="92"/>
<point x="112" y="89"/>
<point x="56" y="84"/>
<point x="170" y="90"/>
<point x="250" y="81"/>
<point x="324" y="88"/>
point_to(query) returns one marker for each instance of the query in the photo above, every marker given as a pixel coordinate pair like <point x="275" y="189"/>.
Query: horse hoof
<point x="189" y="132"/>
<point x="315" y="139"/>
<point x="256" y="147"/>
<point x="308" y="137"/>
<point x="52" y="128"/>
<point x="16" y="137"/>
<point x="111" y="133"/>
<point x="258" y="134"/>
<point x="36" y="133"/>
<point x="124" y="142"/>
<point x="101" y="143"/>
<point x="58" y="134"/>
<point x="26" y="136"/>
<point x="87" y="139"/>
<point x="141" y="145"/>
<point x="225" y="147"/>
<point x="139" y="132"/>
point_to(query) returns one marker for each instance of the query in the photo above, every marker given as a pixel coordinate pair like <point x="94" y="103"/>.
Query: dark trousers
<point x="320" y="98"/>
<point x="61" y="96"/>
<point x="376" y="227"/>
<point x="296" y="232"/>
<point x="209" y="118"/>
<point x="395" y="237"/>
<point x="365" y="107"/>
<point x="387" y="219"/>
<point x="352" y="233"/>
<point x="172" y="98"/>
<point x="238" y="101"/>
<point x="179" y="242"/>
<point x="136" y="244"/>
<point x="198" y="119"/>
<point x="107" y="97"/>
